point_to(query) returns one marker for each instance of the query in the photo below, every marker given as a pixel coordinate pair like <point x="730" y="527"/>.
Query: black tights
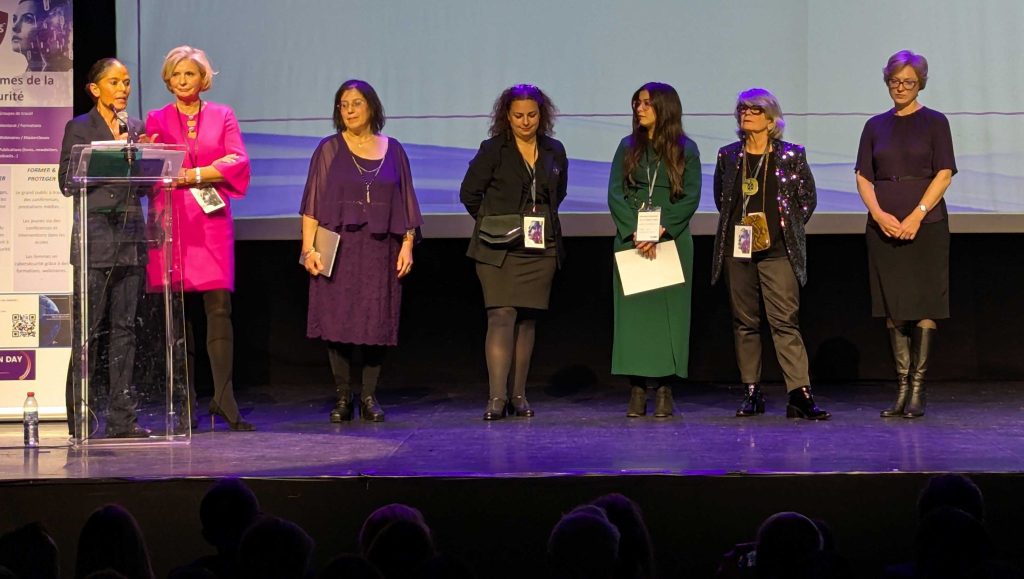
<point x="348" y="360"/>
<point x="508" y="349"/>
<point x="220" y="347"/>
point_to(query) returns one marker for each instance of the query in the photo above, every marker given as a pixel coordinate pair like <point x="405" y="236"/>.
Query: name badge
<point x="533" y="227"/>
<point x="207" y="198"/>
<point x="648" y="224"/>
<point x="742" y="241"/>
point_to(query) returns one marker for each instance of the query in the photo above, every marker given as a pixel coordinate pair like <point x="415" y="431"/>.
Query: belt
<point x="897" y="179"/>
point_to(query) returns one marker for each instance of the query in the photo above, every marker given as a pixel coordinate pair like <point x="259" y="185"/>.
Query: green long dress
<point x="652" y="329"/>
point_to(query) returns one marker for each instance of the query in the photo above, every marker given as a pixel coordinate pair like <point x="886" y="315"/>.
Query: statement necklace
<point x="191" y="121"/>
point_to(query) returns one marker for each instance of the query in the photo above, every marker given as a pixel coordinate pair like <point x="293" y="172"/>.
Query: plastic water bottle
<point x="30" y="420"/>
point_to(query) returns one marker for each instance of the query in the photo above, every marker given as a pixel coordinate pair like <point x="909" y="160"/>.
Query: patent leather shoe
<point x="753" y="402"/>
<point x="519" y="406"/>
<point x="496" y="408"/>
<point x="801" y="405"/>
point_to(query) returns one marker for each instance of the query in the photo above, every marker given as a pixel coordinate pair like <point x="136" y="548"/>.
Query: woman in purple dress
<point x="904" y="165"/>
<point x="360" y="188"/>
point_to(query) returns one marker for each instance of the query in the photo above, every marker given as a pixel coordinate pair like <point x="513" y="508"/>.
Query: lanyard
<point x="650" y="180"/>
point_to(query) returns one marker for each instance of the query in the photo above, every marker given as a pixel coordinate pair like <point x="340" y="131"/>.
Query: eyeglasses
<point x="637" y="105"/>
<point x="752" y="109"/>
<point x="908" y="84"/>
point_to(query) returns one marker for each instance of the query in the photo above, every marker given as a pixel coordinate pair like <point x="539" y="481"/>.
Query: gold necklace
<point x="352" y="140"/>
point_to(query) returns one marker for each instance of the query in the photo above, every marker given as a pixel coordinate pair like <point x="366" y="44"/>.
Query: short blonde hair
<point x="905" y="58"/>
<point x="176" y="55"/>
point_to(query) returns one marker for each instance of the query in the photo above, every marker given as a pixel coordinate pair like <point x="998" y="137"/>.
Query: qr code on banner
<point x="23" y="326"/>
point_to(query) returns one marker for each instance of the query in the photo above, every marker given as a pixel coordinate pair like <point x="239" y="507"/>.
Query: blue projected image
<point x="438" y="71"/>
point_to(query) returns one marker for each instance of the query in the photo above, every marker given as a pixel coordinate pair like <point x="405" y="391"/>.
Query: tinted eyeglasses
<point x="752" y="109"/>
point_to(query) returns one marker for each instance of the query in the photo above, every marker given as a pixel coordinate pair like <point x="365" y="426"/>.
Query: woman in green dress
<point x="656" y="168"/>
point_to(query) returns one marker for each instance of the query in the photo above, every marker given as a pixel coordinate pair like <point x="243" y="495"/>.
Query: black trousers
<point x="113" y="297"/>
<point x="773" y="281"/>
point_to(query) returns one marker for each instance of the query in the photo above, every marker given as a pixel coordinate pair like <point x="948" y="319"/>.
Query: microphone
<point x="122" y="126"/>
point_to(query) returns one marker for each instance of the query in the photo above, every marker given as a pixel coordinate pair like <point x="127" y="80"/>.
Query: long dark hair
<point x="377" y="117"/>
<point x="500" y="124"/>
<point x="668" y="136"/>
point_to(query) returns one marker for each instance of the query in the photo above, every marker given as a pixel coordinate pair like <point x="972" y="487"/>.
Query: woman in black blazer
<point x="513" y="188"/>
<point x="116" y="251"/>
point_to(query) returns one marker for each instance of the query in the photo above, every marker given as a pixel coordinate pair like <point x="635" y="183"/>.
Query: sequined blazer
<point x="797" y="199"/>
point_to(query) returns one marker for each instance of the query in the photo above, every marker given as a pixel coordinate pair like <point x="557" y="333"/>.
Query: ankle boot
<point x="899" y="339"/>
<point x="370" y="410"/>
<point x="801" y="405"/>
<point x="663" y="402"/>
<point x="637" y="402"/>
<point x="920" y="345"/>
<point x="343" y="408"/>
<point x="753" y="403"/>
<point x="496" y="408"/>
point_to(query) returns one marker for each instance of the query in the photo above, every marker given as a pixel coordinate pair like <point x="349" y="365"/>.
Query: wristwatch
<point x="923" y="208"/>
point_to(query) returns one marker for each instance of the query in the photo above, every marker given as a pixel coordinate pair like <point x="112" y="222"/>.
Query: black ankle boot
<point x="495" y="409"/>
<point x="801" y="405"/>
<point x="343" y="408"/>
<point x="518" y="406"/>
<point x="370" y="410"/>
<point x="920" y="345"/>
<point x="753" y="403"/>
<point x="663" y="402"/>
<point x="637" y="402"/>
<point x="899" y="339"/>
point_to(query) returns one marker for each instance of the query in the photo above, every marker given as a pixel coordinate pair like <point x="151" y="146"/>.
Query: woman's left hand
<point x="908" y="228"/>
<point x="404" y="265"/>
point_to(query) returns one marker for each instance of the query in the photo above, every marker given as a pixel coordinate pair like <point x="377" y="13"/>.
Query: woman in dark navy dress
<point x="904" y="165"/>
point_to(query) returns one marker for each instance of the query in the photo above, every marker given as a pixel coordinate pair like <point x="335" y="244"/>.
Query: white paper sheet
<point x="639" y="274"/>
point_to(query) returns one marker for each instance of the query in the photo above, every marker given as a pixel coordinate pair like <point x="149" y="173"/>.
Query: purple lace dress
<point x="360" y="302"/>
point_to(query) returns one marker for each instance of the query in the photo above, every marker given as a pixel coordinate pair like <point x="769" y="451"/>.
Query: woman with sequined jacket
<point x="765" y="192"/>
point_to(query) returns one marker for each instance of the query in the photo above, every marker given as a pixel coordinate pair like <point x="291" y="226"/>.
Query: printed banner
<point x="35" y="219"/>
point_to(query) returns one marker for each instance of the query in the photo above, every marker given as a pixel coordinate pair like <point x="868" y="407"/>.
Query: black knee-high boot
<point x="920" y="346"/>
<point x="899" y="339"/>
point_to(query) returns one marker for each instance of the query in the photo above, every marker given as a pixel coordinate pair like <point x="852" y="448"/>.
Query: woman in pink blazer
<point x="215" y="172"/>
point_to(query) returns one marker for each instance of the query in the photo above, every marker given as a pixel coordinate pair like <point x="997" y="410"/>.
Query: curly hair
<point x="500" y="124"/>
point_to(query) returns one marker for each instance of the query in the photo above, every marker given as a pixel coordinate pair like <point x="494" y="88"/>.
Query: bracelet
<point x="409" y="235"/>
<point x="199" y="176"/>
<point x="305" y="254"/>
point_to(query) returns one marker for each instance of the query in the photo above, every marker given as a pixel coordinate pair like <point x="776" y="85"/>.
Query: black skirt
<point x="521" y="281"/>
<point x="910" y="279"/>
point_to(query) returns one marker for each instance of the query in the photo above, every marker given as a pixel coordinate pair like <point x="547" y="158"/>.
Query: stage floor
<point x="970" y="427"/>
